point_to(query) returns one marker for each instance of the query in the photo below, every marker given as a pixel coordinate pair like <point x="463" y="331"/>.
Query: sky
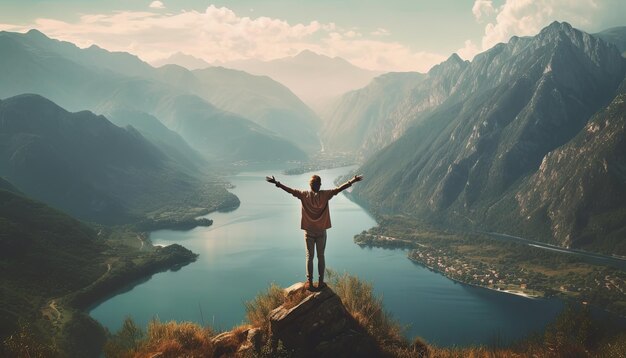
<point x="389" y="35"/>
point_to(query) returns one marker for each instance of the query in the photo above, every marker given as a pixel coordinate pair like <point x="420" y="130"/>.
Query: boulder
<point x="319" y="325"/>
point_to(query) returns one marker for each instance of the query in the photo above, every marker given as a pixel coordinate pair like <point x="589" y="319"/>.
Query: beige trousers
<point x="315" y="241"/>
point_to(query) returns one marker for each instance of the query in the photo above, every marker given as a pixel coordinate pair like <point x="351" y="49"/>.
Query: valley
<point x="133" y="190"/>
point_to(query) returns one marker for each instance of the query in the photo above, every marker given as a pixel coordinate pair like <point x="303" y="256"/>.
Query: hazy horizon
<point x="390" y="36"/>
<point x="477" y="151"/>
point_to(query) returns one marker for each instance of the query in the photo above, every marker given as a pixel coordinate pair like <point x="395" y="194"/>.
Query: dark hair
<point x="315" y="179"/>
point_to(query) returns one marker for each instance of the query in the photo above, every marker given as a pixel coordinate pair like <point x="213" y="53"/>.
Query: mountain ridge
<point x="85" y="165"/>
<point x="489" y="135"/>
<point x="74" y="78"/>
<point x="314" y="78"/>
<point x="381" y="115"/>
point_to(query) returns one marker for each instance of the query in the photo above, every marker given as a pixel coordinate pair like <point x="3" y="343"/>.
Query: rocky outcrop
<point x="318" y="325"/>
<point x="509" y="109"/>
<point x="580" y="188"/>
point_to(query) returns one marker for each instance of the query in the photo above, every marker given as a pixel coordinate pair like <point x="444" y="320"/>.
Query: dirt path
<point x="51" y="312"/>
<point x="53" y="306"/>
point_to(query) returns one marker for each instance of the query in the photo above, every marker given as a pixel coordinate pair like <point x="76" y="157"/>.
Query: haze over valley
<point x="497" y="166"/>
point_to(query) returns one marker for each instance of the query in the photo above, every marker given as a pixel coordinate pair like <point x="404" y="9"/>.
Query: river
<point x="259" y="243"/>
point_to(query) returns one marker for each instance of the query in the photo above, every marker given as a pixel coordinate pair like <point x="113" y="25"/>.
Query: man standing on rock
<point x="315" y="220"/>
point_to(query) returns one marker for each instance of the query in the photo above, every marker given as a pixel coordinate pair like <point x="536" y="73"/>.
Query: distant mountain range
<point x="315" y="78"/>
<point x="86" y="166"/>
<point x="168" y="141"/>
<point x="479" y="145"/>
<point x="616" y="36"/>
<point x="181" y="59"/>
<point x="366" y="120"/>
<point x="258" y="98"/>
<point x="106" y="82"/>
<point x="524" y="139"/>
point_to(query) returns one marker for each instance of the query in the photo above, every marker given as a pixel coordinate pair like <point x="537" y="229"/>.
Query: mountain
<point x="237" y="138"/>
<point x="43" y="253"/>
<point x="55" y="267"/>
<point x="181" y="59"/>
<point x="258" y="98"/>
<point x="91" y="57"/>
<point x="578" y="194"/>
<point x="363" y="116"/>
<point x="168" y="141"/>
<point x="508" y="109"/>
<point x="616" y="36"/>
<point x="86" y="166"/>
<point x="366" y="120"/>
<point x="314" y="78"/>
<point x="5" y="185"/>
<point x="67" y="75"/>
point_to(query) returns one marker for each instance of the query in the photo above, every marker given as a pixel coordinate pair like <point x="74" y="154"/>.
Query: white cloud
<point x="157" y="5"/>
<point x="469" y="50"/>
<point x="482" y="8"/>
<point x="528" y="17"/>
<point x="381" y="32"/>
<point x="219" y="34"/>
<point x="379" y="55"/>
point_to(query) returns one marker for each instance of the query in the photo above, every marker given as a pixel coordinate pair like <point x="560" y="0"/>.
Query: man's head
<point x="315" y="183"/>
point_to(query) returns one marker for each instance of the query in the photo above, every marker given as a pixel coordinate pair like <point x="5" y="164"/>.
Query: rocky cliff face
<point x="366" y="120"/>
<point x="510" y="107"/>
<point x="579" y="190"/>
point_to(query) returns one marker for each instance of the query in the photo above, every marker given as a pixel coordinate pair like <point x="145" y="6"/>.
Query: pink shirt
<point x="315" y="212"/>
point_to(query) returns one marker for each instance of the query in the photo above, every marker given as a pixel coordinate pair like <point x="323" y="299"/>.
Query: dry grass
<point x="173" y="339"/>
<point x="258" y="310"/>
<point x="485" y="352"/>
<point x="367" y="309"/>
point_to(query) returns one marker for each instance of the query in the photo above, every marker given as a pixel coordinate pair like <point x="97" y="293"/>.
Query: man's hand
<point x="271" y="179"/>
<point x="356" y="178"/>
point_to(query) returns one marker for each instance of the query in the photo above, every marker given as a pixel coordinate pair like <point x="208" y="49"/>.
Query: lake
<point x="261" y="242"/>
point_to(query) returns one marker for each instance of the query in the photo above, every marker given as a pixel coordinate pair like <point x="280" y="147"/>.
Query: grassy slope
<point x="53" y="266"/>
<point x="43" y="253"/>
<point x="83" y="164"/>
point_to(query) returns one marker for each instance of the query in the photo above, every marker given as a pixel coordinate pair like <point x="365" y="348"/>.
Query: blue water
<point x="260" y="242"/>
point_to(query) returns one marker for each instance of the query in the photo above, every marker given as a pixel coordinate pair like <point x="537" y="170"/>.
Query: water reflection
<point x="260" y="242"/>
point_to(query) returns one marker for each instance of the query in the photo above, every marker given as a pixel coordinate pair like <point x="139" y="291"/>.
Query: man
<point x="315" y="220"/>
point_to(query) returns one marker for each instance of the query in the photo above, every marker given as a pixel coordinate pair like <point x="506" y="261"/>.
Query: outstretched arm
<point x="349" y="183"/>
<point x="279" y="185"/>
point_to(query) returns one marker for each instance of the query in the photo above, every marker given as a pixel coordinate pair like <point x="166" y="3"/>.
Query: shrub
<point x="359" y="299"/>
<point x="24" y="343"/>
<point x="258" y="310"/>
<point x="126" y="341"/>
<point x="173" y="339"/>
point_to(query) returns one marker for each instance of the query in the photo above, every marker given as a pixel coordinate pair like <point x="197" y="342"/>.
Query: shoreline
<point x="74" y="307"/>
<point x="404" y="245"/>
<point x="162" y="259"/>
<point x="510" y="292"/>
